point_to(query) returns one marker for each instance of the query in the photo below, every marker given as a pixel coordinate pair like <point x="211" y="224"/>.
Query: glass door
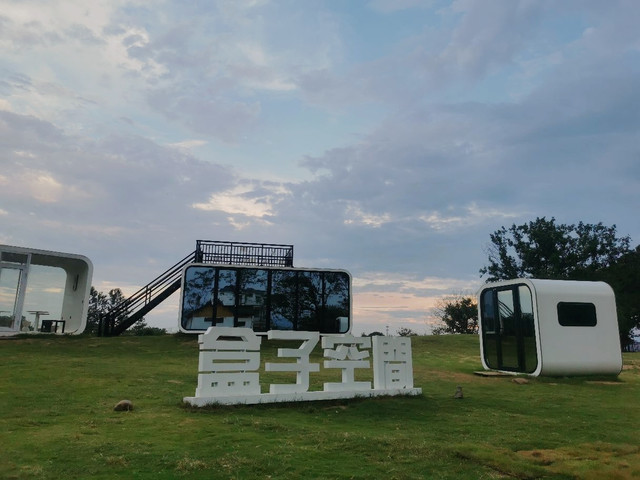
<point x="9" y="295"/>
<point x="508" y="331"/>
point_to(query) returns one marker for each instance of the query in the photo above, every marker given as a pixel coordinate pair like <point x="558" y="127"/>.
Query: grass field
<point x="57" y="420"/>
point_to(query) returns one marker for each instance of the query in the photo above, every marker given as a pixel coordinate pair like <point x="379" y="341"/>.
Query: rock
<point x="123" y="406"/>
<point x="520" y="380"/>
<point x="458" y="393"/>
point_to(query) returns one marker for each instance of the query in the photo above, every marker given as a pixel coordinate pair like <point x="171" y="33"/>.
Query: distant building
<point x="17" y="315"/>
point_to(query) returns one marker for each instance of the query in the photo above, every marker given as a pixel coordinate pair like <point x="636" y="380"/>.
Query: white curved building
<point x="42" y="291"/>
<point x="549" y="327"/>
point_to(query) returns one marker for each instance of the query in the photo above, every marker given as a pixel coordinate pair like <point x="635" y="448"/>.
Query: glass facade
<point x="265" y="299"/>
<point x="508" y="331"/>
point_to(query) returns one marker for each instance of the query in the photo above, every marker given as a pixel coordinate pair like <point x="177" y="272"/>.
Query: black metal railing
<point x="240" y="253"/>
<point x="129" y="311"/>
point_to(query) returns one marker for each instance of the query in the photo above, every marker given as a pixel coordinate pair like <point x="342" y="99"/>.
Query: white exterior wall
<point x="569" y="350"/>
<point x="577" y="350"/>
<point x="79" y="274"/>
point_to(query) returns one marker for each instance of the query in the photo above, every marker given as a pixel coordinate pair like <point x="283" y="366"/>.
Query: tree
<point x="373" y="334"/>
<point x="624" y="278"/>
<point x="140" y="328"/>
<point x="458" y="314"/>
<point x="99" y="304"/>
<point x="544" y="249"/>
<point x="406" y="332"/>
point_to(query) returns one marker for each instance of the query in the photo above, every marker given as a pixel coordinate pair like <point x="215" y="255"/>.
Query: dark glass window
<point x="266" y="299"/>
<point x="197" y="298"/>
<point x="575" y="314"/>
<point x="337" y="302"/>
<point x="310" y="301"/>
<point x="508" y="331"/>
<point x="225" y="313"/>
<point x="252" y="301"/>
<point x="284" y="300"/>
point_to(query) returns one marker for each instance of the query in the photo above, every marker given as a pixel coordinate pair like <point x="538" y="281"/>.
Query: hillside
<point x="57" y="420"/>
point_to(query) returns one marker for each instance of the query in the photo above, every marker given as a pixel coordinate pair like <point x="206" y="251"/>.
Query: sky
<point x="387" y="138"/>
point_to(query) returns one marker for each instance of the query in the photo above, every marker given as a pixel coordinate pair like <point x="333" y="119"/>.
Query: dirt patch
<point x="590" y="460"/>
<point x="490" y="373"/>
<point x="453" y="376"/>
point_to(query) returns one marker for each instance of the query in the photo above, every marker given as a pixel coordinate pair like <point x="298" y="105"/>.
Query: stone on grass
<point x="520" y="381"/>
<point x="123" y="406"/>
<point x="458" y="393"/>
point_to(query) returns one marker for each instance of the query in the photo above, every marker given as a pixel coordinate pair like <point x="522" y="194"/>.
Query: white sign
<point x="229" y="369"/>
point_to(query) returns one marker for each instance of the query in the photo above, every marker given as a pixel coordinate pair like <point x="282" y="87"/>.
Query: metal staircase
<point x="129" y="311"/>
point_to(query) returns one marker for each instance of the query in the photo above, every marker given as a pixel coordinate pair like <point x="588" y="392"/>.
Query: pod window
<point x="575" y="314"/>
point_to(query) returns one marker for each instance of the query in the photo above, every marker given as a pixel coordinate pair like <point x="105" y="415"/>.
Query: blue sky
<point x="389" y="138"/>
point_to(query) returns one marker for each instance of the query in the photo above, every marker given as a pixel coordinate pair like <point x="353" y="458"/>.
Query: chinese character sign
<point x="230" y="362"/>
<point x="343" y="353"/>
<point x="229" y="367"/>
<point x="393" y="367"/>
<point x="302" y="367"/>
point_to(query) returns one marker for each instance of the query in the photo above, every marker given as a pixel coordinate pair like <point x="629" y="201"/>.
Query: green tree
<point x="624" y="278"/>
<point x="99" y="304"/>
<point x="458" y="314"/>
<point x="406" y="332"/>
<point x="544" y="249"/>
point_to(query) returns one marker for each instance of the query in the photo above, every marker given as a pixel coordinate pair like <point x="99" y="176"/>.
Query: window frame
<point x="566" y="318"/>
<point x="329" y="300"/>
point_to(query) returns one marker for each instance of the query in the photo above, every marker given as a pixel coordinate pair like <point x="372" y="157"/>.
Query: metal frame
<point x="241" y="253"/>
<point x="270" y="270"/>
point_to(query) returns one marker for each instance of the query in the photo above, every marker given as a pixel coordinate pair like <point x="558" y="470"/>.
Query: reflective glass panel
<point x="310" y="301"/>
<point x="575" y="314"/>
<point x="490" y="330"/>
<point x="508" y="330"/>
<point x="337" y="303"/>
<point x="197" y="291"/>
<point x="252" y="304"/>
<point x="284" y="303"/>
<point x="266" y="299"/>
<point x="9" y="283"/>
<point x="527" y="329"/>
<point x="225" y="298"/>
<point x="44" y="296"/>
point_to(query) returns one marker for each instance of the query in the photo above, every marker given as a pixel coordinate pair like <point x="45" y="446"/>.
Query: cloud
<point x="355" y="215"/>
<point x="473" y="215"/>
<point x="387" y="6"/>
<point x="489" y="35"/>
<point x="247" y="201"/>
<point x="188" y="144"/>
<point x="129" y="130"/>
<point x="205" y="112"/>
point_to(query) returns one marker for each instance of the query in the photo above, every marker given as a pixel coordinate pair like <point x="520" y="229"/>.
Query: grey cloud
<point x="489" y="34"/>
<point x="83" y="34"/>
<point x="129" y="190"/>
<point x="210" y="114"/>
<point x="416" y="195"/>
<point x="566" y="148"/>
<point x="27" y="35"/>
<point x="28" y="132"/>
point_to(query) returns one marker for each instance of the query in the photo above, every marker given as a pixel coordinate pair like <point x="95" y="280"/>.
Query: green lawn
<point x="57" y="420"/>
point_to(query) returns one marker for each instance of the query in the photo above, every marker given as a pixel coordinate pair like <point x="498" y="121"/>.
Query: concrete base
<point x="296" y="397"/>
